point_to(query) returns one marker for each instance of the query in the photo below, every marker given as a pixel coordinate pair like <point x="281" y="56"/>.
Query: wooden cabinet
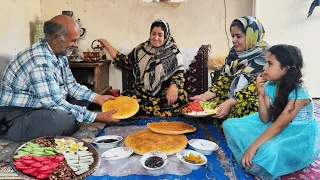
<point x="94" y="75"/>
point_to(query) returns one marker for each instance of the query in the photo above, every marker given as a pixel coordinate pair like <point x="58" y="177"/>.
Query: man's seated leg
<point x="33" y="123"/>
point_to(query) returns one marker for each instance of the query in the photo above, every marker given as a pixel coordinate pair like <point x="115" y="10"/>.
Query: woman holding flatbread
<point x="235" y="91"/>
<point x="158" y="70"/>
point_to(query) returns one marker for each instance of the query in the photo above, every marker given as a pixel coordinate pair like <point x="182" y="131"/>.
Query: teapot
<point x="98" y="53"/>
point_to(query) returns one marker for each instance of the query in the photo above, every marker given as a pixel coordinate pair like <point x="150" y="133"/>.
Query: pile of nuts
<point x="63" y="171"/>
<point x="46" y="142"/>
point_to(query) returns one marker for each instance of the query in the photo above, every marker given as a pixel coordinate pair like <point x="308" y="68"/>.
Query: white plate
<point x="203" y="146"/>
<point x="186" y="152"/>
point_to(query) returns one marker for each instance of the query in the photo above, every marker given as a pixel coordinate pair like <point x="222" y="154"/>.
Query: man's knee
<point x="64" y="122"/>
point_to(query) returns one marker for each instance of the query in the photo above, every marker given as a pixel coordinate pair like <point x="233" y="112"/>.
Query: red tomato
<point x="23" y="167"/>
<point x="47" y="162"/>
<point x="18" y="163"/>
<point x="40" y="158"/>
<point x="29" y="171"/>
<point x="45" y="168"/>
<point x="42" y="176"/>
<point x="26" y="157"/>
<point x="45" y="172"/>
<point x="59" y="158"/>
<point x="35" y="174"/>
<point x="54" y="165"/>
<point x="37" y="164"/>
<point x="51" y="157"/>
<point x="28" y="161"/>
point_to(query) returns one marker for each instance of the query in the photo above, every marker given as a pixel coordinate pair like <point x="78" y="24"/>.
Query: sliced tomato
<point x="28" y="161"/>
<point x="28" y="157"/>
<point x="35" y="174"/>
<point x="59" y="158"/>
<point x="54" y="165"/>
<point x="45" y="172"/>
<point x="51" y="157"/>
<point x="43" y="176"/>
<point x="29" y="171"/>
<point x="18" y="163"/>
<point x="40" y="158"/>
<point x="24" y="167"/>
<point x="47" y="162"/>
<point x="37" y="164"/>
<point x="45" y="168"/>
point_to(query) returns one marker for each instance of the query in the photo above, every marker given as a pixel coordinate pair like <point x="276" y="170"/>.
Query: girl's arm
<point x="287" y="115"/>
<point x="264" y="108"/>
<point x="264" y="100"/>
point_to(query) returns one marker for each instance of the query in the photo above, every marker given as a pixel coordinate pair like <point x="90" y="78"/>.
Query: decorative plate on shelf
<point x="54" y="157"/>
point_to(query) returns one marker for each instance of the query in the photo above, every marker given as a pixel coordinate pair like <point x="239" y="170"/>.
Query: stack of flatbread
<point x="167" y="137"/>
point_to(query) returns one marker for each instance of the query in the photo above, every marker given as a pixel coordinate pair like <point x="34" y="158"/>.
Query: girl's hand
<point x="260" y="84"/>
<point x="225" y="108"/>
<point x="247" y="157"/>
<point x="172" y="94"/>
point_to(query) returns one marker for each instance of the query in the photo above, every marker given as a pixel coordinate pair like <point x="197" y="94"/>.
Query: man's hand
<point x="106" y="117"/>
<point x="101" y="99"/>
<point x="172" y="94"/>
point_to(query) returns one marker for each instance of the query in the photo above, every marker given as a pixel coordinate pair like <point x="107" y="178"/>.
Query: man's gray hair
<point x="50" y="28"/>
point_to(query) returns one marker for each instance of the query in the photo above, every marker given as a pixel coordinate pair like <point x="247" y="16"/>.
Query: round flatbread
<point x="145" y="141"/>
<point x="171" y="127"/>
<point x="127" y="107"/>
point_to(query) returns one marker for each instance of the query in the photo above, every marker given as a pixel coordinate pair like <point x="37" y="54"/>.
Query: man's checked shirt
<point x="36" y="78"/>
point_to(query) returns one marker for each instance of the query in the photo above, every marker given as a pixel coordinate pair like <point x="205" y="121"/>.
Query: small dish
<point x="110" y="141"/>
<point x="203" y="146"/>
<point x="180" y="155"/>
<point x="117" y="155"/>
<point x="154" y="154"/>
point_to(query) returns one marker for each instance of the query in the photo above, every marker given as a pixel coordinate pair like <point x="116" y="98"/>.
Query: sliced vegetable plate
<point x="55" y="157"/>
<point x="199" y="109"/>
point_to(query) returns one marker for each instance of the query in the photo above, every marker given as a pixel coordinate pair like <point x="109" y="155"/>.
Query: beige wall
<point x="290" y="25"/>
<point x="16" y="17"/>
<point x="126" y="23"/>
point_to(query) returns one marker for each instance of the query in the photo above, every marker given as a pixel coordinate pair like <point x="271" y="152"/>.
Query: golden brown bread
<point x="171" y="127"/>
<point x="145" y="141"/>
<point x="127" y="107"/>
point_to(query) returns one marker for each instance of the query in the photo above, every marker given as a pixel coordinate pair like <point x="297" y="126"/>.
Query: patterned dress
<point x="296" y="147"/>
<point x="246" y="98"/>
<point x="156" y="105"/>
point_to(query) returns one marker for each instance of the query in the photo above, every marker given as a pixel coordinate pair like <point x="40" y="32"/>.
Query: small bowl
<point x="203" y="146"/>
<point x="152" y="154"/>
<point x="107" y="145"/>
<point x="117" y="155"/>
<point x="186" y="152"/>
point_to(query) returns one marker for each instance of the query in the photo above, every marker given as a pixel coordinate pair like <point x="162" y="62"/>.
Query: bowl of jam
<point x="154" y="161"/>
<point x="108" y="141"/>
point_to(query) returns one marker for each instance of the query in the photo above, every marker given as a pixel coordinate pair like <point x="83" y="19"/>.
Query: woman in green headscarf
<point x="235" y="90"/>
<point x="158" y="70"/>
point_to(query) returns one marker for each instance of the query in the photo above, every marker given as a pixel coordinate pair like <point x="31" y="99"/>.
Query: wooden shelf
<point x="99" y="71"/>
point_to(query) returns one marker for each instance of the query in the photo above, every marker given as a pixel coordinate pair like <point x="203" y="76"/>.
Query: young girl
<point x="283" y="136"/>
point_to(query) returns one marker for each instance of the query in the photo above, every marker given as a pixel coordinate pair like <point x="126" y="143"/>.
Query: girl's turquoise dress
<point x="296" y="147"/>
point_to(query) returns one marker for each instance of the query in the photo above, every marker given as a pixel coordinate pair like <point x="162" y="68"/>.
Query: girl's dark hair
<point x="289" y="57"/>
<point x="159" y="24"/>
<point x="239" y="24"/>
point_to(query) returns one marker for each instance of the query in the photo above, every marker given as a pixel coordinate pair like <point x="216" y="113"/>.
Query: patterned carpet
<point x="310" y="172"/>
